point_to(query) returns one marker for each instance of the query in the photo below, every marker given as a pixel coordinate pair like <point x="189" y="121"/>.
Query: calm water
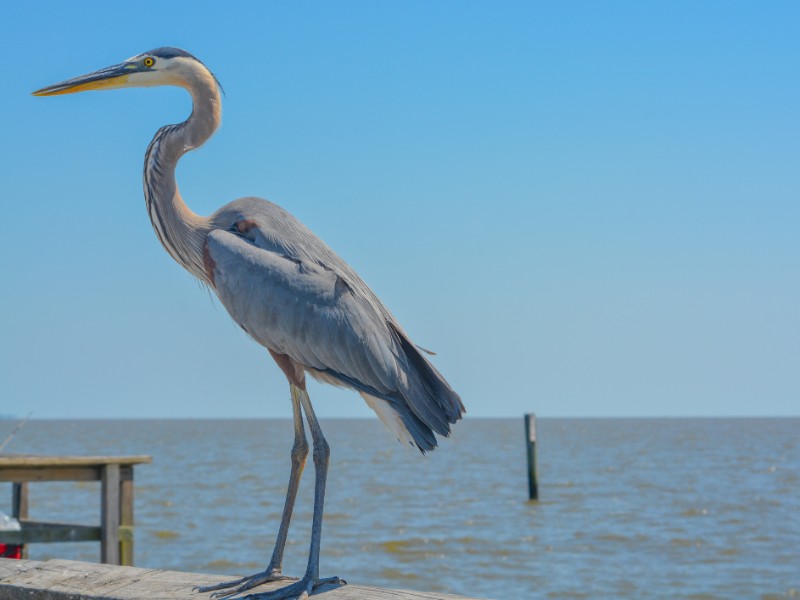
<point x="631" y="508"/>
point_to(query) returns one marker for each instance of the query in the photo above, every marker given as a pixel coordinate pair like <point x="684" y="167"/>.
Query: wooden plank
<point x="68" y="580"/>
<point x="37" y="532"/>
<point x="59" y="473"/>
<point x="18" y="474"/>
<point x="109" y="515"/>
<point x="28" y="460"/>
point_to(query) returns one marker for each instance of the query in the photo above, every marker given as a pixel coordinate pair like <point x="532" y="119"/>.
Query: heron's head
<point x="162" y="66"/>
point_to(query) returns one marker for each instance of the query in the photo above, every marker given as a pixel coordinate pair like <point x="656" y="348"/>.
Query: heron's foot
<point x="238" y="586"/>
<point x="300" y="590"/>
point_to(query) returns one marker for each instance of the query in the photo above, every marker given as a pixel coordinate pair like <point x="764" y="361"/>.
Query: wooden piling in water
<point x="69" y="580"/>
<point x="530" y="442"/>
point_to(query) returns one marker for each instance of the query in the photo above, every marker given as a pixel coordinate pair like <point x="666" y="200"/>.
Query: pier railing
<point x="115" y="473"/>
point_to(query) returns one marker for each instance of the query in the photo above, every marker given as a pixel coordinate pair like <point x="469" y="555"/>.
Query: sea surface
<point x="629" y="508"/>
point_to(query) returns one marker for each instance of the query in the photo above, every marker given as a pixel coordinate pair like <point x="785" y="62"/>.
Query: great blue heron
<point x="289" y="292"/>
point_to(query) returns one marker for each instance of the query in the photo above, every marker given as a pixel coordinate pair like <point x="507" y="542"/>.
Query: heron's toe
<point x="228" y="589"/>
<point x="300" y="589"/>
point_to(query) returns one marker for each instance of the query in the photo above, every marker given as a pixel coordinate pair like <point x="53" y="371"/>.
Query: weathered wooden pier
<point x="72" y="580"/>
<point x="115" y="473"/>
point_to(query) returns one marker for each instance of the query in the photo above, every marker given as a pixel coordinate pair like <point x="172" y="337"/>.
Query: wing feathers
<point x="316" y="313"/>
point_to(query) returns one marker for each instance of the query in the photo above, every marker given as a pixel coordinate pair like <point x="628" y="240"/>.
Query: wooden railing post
<point x="126" y="518"/>
<point x="110" y="515"/>
<point x="19" y="506"/>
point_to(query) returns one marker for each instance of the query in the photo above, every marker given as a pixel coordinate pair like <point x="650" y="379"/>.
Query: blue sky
<point x="586" y="208"/>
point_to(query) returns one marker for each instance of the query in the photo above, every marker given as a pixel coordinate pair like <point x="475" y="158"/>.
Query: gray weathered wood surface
<point x="72" y="580"/>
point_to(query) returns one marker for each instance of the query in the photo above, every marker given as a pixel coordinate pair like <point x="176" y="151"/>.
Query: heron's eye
<point x="149" y="61"/>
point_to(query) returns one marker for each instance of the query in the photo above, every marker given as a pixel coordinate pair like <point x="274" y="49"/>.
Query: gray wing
<point x="295" y="296"/>
<point x="300" y="309"/>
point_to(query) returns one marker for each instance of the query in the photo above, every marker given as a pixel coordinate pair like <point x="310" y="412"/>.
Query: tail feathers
<point x="423" y="405"/>
<point x="406" y="426"/>
<point x="428" y="394"/>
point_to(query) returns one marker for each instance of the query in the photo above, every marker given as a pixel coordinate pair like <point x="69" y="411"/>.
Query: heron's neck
<point x="179" y="229"/>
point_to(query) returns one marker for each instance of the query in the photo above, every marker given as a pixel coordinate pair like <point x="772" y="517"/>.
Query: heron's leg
<point x="273" y="570"/>
<point x="321" y="454"/>
<point x="299" y="454"/>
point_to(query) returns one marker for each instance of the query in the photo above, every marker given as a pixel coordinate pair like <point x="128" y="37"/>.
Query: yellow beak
<point x="104" y="79"/>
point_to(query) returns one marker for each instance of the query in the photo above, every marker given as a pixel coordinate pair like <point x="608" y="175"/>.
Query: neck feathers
<point x="178" y="228"/>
